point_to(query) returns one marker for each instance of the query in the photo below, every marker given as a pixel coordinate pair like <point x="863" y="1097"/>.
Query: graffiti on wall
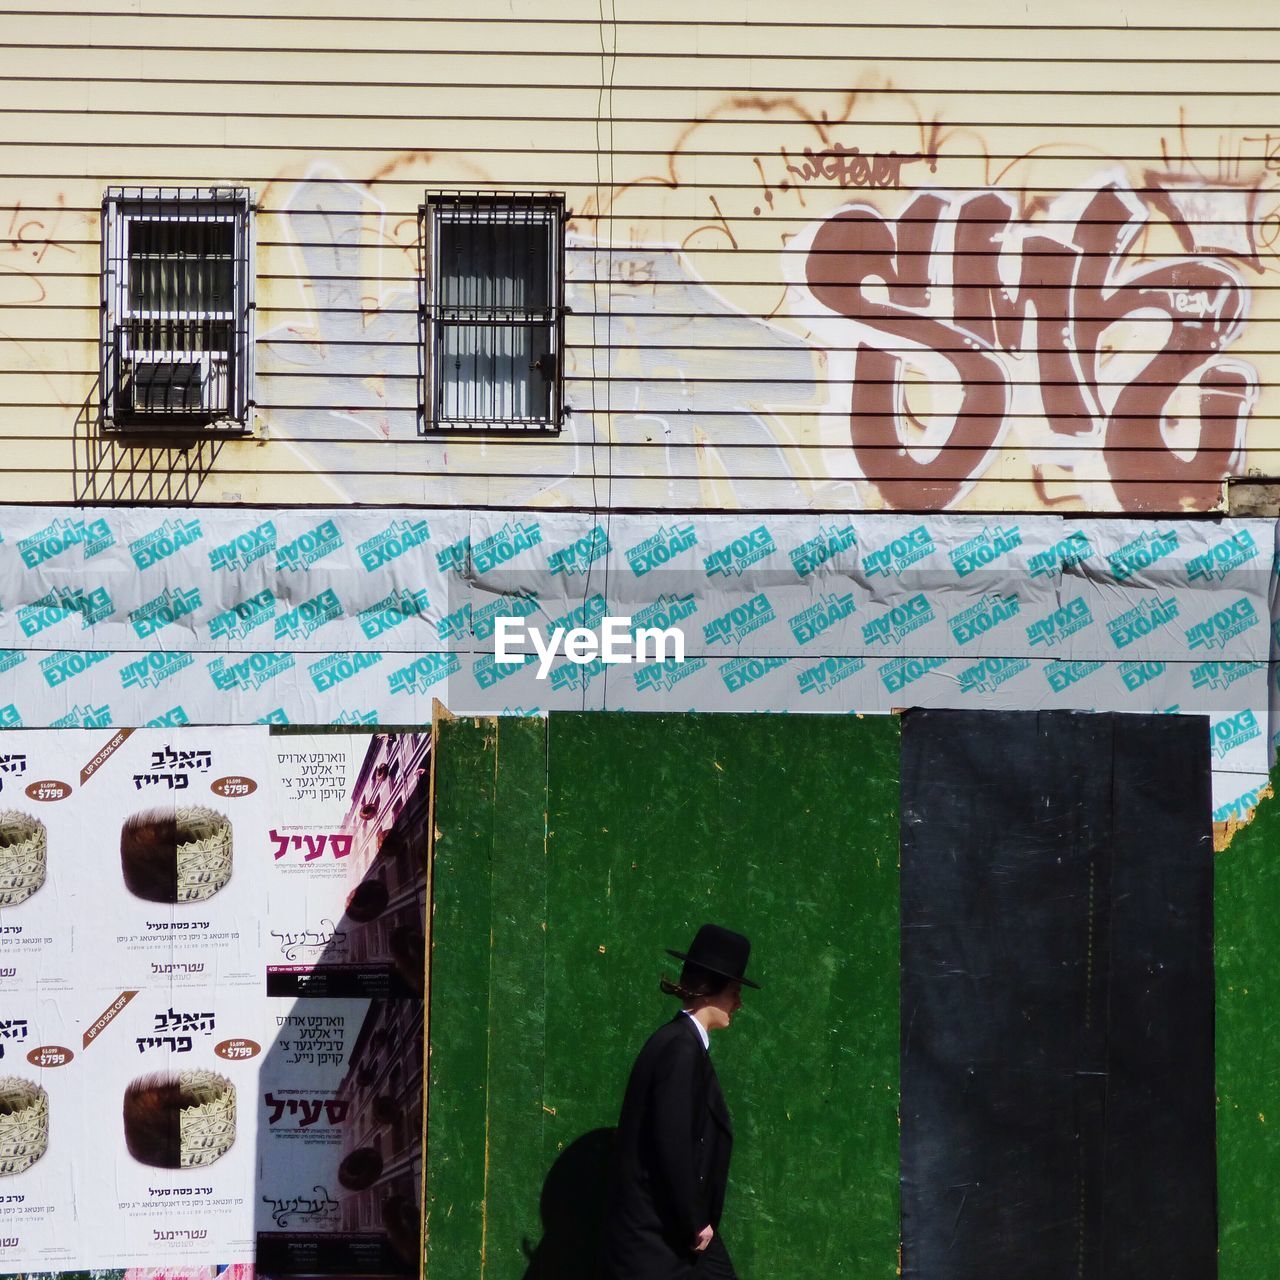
<point x="1013" y="320"/>
<point x="803" y="301"/>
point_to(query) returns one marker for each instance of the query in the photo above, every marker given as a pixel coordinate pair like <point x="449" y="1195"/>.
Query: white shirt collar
<point x="702" y="1031"/>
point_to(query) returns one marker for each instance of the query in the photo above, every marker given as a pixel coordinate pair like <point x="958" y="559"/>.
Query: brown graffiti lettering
<point x="27" y="241"/>
<point x="851" y="167"/>
<point x="1270" y="148"/>
<point x="960" y="290"/>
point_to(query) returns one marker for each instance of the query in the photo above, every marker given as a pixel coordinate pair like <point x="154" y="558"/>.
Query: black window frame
<point x="201" y="353"/>
<point x="436" y="317"/>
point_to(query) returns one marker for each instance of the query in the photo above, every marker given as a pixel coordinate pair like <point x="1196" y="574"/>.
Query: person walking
<point x="674" y="1139"/>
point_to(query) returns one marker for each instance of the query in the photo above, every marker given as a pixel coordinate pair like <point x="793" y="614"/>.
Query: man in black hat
<point x="674" y="1136"/>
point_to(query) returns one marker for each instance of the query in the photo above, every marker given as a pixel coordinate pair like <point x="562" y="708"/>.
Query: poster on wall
<point x="212" y="946"/>
<point x="341" y="1138"/>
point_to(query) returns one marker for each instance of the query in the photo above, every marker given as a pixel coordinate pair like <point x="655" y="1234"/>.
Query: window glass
<point x="494" y="269"/>
<point x="488" y="372"/>
<point x="181" y="266"/>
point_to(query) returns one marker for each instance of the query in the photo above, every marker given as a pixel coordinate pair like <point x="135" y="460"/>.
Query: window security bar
<point x="177" y="305"/>
<point x="493" y="316"/>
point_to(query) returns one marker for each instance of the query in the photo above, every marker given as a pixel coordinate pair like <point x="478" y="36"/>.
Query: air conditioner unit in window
<point x="161" y="385"/>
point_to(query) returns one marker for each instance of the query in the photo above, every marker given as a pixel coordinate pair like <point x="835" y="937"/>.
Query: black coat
<point x="672" y="1160"/>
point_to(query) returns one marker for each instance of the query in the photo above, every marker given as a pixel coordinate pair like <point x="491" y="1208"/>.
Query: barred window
<point x="177" y="297"/>
<point x="493" y="316"/>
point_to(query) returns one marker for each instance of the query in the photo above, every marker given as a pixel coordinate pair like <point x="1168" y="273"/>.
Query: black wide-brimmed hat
<point x="719" y="951"/>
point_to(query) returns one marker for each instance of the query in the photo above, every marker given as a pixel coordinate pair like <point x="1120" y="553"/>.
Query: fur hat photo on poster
<point x="24" y="1124"/>
<point x="180" y="1121"/>
<point x="181" y="855"/>
<point x="23" y="856"/>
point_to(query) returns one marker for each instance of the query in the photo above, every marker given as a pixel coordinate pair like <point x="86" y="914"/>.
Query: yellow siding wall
<point x="1121" y="163"/>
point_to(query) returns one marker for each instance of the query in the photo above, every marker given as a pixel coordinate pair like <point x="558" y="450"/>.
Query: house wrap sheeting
<point x="311" y="616"/>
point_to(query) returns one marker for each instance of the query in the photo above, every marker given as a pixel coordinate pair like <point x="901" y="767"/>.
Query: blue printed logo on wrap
<point x="1134" y="675"/>
<point x="9" y="717"/>
<point x="738" y="673"/>
<point x="1061" y="674"/>
<point x="308" y="617"/>
<point x="84" y="717"/>
<point x="733" y="626"/>
<point x="309" y="548"/>
<point x="897" y="673"/>
<point x="393" y="609"/>
<point x="335" y="668"/>
<point x="988" y="674"/>
<point x="164" y="610"/>
<point x="587" y="615"/>
<point x="581" y="554"/>
<point x="159" y="544"/>
<point x="661" y="548"/>
<point x="488" y="672"/>
<point x="665" y="612"/>
<point x="1141" y="553"/>
<point x="983" y="616"/>
<point x="1223" y="558"/>
<point x="828" y="673"/>
<point x="395" y="540"/>
<point x="512" y="540"/>
<point x="810" y="556"/>
<point x="1065" y="554"/>
<point x="733" y="560"/>
<point x="900" y="554"/>
<point x="1222" y="675"/>
<point x="665" y="675"/>
<point x="1061" y="623"/>
<point x="153" y="669"/>
<point x="93" y="536"/>
<point x="898" y="621"/>
<point x="454" y="557"/>
<point x="65" y="665"/>
<point x="1233" y="730"/>
<point x="821" y="616"/>
<point x="174" y="718"/>
<point x="243" y="674"/>
<point x="245" y="548"/>
<point x="1147" y="617"/>
<point x="1239" y="809"/>
<point x="574" y="675"/>
<point x="992" y="544"/>
<point x="482" y="622"/>
<point x="62" y="603"/>
<point x="244" y="617"/>
<point x="1217" y="631"/>
<point x="424" y="672"/>
<point x="355" y="716"/>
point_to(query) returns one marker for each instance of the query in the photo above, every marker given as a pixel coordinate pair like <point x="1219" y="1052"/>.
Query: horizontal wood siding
<point x="1026" y="259"/>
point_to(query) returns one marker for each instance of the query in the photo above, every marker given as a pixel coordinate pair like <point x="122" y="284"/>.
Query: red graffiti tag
<point x="981" y="303"/>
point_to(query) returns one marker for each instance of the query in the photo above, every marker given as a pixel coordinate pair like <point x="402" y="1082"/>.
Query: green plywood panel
<point x="784" y="827"/>
<point x="1247" y="967"/>
<point x="458" y="1077"/>
<point x="517" y="995"/>
<point x="485" y="1026"/>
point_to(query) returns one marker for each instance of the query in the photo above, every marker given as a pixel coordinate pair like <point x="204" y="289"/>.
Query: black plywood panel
<point x="1057" y="997"/>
